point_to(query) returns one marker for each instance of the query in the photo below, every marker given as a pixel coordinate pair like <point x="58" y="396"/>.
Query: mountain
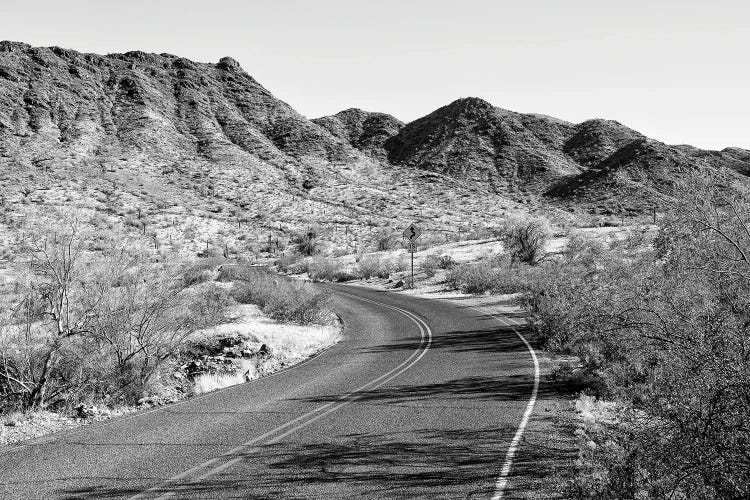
<point x="162" y="104"/>
<point x="364" y="130"/>
<point x="635" y="176"/>
<point x="194" y="154"/>
<point x="473" y="140"/>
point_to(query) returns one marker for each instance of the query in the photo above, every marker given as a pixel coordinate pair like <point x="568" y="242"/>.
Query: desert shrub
<point x="374" y="266"/>
<point x="583" y="249"/>
<point x="322" y="268"/>
<point x="200" y="272"/>
<point x="339" y="251"/>
<point x="431" y="263"/>
<point x="664" y="333"/>
<point x="446" y="262"/>
<point x="298" y="302"/>
<point x="307" y="242"/>
<point x="105" y="323"/>
<point x="385" y="239"/>
<point x="212" y="252"/>
<point x="292" y="263"/>
<point x="525" y="238"/>
<point x="282" y="299"/>
<point x="472" y="278"/>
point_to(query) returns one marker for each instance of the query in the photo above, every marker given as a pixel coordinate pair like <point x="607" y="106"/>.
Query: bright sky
<point x="675" y="70"/>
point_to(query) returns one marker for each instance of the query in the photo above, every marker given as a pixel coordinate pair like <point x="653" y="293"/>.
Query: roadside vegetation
<point x="100" y="321"/>
<point x="660" y="325"/>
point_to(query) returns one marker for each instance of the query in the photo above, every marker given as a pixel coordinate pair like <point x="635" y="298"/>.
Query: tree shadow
<point x="499" y="339"/>
<point x="424" y="464"/>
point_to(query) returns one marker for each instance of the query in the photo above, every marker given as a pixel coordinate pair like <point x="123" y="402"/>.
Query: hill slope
<point x="192" y="154"/>
<point x="366" y="131"/>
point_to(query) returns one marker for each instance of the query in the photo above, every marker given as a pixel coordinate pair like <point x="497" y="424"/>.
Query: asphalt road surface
<point x="422" y="399"/>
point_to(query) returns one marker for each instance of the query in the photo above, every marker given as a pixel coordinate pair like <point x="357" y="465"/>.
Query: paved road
<point x="417" y="402"/>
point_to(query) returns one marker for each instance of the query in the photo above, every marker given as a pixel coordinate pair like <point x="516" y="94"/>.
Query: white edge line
<point x="502" y="480"/>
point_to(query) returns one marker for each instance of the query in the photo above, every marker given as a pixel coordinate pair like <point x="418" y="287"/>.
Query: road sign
<point x="411" y="246"/>
<point x="412" y="233"/>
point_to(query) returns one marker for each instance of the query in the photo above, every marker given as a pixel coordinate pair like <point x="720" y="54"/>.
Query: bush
<point x="291" y="263"/>
<point x="525" y="238"/>
<point x="473" y="278"/>
<point x="327" y="269"/>
<point x="282" y="299"/>
<point x="307" y="243"/>
<point x="200" y="272"/>
<point x="373" y="266"/>
<point x="105" y="324"/>
<point x="298" y="302"/>
<point x="384" y="239"/>
<point x="664" y="333"/>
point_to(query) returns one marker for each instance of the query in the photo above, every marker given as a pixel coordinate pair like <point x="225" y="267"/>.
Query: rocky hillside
<point x="167" y="106"/>
<point x="635" y="176"/>
<point x="192" y="155"/>
<point x="471" y="139"/>
<point x="366" y="131"/>
<point x="197" y="155"/>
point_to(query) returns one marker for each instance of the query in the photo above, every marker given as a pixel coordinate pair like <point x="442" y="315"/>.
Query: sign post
<point x="411" y="235"/>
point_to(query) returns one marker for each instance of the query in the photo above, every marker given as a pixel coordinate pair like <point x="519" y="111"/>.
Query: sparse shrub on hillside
<point x="374" y="266"/>
<point x="281" y="298"/>
<point x="200" y="271"/>
<point x="291" y="263"/>
<point x="525" y="238"/>
<point x="321" y="268"/>
<point x="431" y="263"/>
<point x="307" y="242"/>
<point x="385" y="239"/>
<point x="472" y="278"/>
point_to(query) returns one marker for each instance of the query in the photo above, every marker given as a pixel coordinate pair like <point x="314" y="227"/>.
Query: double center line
<point x="185" y="480"/>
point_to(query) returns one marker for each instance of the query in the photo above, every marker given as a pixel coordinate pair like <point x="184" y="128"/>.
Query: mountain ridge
<point x="144" y="133"/>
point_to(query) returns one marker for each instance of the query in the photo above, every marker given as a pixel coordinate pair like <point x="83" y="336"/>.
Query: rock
<point x="83" y="411"/>
<point x="399" y="284"/>
<point x="264" y="350"/>
<point x="229" y="64"/>
<point x="11" y="423"/>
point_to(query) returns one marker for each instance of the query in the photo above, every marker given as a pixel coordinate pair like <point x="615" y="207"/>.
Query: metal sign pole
<point x="412" y="269"/>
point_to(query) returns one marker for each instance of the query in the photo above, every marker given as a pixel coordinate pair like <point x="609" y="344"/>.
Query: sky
<point x="677" y="71"/>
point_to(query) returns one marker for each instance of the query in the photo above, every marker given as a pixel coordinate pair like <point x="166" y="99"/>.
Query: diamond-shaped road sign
<point x="412" y="232"/>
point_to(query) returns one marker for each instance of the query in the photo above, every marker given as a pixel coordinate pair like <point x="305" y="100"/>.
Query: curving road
<point x="422" y="399"/>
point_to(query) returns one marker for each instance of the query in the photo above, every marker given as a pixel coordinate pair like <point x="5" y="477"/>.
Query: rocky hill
<point x="471" y="139"/>
<point x="635" y="177"/>
<point x="194" y="154"/>
<point x="364" y="130"/>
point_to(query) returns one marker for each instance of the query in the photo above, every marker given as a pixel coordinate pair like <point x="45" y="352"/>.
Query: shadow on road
<point x="426" y="464"/>
<point x="490" y="340"/>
